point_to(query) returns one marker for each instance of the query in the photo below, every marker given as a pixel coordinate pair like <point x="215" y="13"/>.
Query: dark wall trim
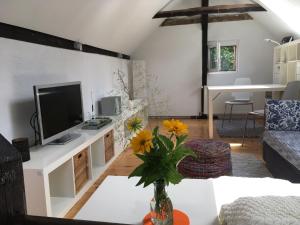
<point x="204" y="25"/>
<point x="27" y="35"/>
<point x="174" y="117"/>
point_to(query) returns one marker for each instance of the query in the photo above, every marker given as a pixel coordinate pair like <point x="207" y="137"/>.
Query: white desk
<point x="118" y="200"/>
<point x="214" y="91"/>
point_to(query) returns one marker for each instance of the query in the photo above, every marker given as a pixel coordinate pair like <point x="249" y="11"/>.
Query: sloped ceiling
<point x="283" y="16"/>
<point x="121" y="25"/>
<point x="272" y="20"/>
<point x="118" y="25"/>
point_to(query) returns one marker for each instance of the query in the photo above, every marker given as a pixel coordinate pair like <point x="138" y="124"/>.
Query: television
<point x="59" y="111"/>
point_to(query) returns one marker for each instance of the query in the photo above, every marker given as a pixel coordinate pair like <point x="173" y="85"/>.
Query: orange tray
<point x="180" y="218"/>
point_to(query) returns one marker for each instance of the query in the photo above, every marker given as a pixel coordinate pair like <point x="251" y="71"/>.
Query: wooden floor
<point x="126" y="161"/>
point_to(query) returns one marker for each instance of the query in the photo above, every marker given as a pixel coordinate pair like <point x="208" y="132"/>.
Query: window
<point x="222" y="56"/>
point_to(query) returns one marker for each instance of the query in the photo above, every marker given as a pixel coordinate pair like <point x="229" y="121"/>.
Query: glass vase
<point x="161" y="205"/>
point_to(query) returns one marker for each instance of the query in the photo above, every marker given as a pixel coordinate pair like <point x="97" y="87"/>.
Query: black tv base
<point x="65" y="139"/>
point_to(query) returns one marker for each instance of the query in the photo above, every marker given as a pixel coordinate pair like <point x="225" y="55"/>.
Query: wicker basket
<point x="213" y="159"/>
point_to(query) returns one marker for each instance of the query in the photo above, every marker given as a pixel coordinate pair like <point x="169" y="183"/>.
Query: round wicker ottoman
<point x="213" y="159"/>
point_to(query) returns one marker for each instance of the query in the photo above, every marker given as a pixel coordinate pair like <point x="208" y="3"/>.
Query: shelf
<point x="60" y="205"/>
<point x="293" y="61"/>
<point x="96" y="170"/>
<point x="97" y="158"/>
<point x="286" y="66"/>
<point x="61" y="181"/>
<point x="283" y="54"/>
<point x="292" y="53"/>
<point x="277" y="53"/>
<point x="291" y="71"/>
<point x="298" y="51"/>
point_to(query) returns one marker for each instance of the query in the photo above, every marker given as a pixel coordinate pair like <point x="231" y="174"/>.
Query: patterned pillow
<point x="283" y="115"/>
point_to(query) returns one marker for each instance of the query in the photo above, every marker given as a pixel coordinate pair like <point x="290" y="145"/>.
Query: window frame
<point x="218" y="45"/>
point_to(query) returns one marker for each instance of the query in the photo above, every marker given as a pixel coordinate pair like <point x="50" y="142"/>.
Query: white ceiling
<point x="270" y="19"/>
<point x="118" y="25"/>
<point x="283" y="16"/>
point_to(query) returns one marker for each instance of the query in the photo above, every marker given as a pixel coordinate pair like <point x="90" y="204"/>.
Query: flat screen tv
<point x="59" y="111"/>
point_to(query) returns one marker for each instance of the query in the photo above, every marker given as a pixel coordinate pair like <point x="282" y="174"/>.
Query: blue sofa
<point x="281" y="141"/>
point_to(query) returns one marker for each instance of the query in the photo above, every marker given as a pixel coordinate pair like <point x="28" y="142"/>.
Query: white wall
<point x="23" y="65"/>
<point x="174" y="55"/>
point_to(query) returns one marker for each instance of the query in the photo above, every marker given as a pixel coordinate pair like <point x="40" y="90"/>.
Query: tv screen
<point x="59" y="108"/>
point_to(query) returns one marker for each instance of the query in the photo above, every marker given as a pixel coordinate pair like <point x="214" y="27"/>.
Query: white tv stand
<point x="50" y="178"/>
<point x="51" y="174"/>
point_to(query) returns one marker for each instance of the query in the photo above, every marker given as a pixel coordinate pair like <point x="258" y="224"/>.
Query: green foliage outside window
<point x="222" y="58"/>
<point x="228" y="58"/>
<point x="213" y="58"/>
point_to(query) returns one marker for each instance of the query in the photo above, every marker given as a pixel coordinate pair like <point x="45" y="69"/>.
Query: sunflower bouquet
<point x="160" y="154"/>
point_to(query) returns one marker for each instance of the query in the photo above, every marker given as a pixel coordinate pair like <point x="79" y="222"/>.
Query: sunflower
<point x="175" y="127"/>
<point x="142" y="142"/>
<point x="134" y="124"/>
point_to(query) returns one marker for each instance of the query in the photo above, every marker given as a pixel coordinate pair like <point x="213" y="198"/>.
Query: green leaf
<point x="152" y="173"/>
<point x="138" y="172"/>
<point x="161" y="145"/>
<point x="151" y="178"/>
<point x="180" y="153"/>
<point x="173" y="176"/>
<point x="142" y="180"/>
<point x="168" y="143"/>
<point x="142" y="157"/>
<point x="180" y="140"/>
<point x="155" y="131"/>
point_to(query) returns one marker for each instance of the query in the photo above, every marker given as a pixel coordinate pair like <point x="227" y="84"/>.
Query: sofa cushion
<point x="267" y="210"/>
<point x="286" y="143"/>
<point x="283" y="115"/>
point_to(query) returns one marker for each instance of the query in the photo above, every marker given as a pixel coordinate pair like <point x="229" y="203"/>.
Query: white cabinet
<point x="291" y="71"/>
<point x="298" y="71"/>
<point x="57" y="176"/>
<point x="279" y="74"/>
<point x="51" y="175"/>
<point x="286" y="63"/>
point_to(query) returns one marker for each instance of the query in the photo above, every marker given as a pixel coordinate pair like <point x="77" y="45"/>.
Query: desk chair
<point x="240" y="98"/>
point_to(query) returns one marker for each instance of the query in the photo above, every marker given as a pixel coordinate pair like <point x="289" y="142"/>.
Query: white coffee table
<point x="118" y="200"/>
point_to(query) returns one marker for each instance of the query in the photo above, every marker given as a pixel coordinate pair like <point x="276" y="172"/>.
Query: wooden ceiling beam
<point x="211" y="19"/>
<point x="216" y="9"/>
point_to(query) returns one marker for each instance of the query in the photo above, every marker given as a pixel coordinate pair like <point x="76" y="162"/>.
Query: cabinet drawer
<point x="81" y="180"/>
<point x="80" y="160"/>
<point x="81" y="170"/>
<point x="109" y="139"/>
<point x="109" y="153"/>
